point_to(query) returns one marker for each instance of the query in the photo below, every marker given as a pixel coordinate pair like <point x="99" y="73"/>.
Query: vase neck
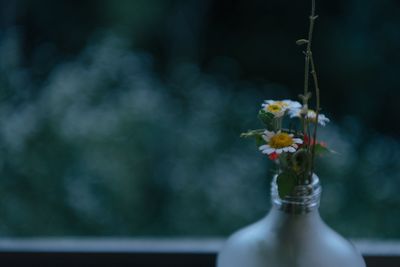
<point x="304" y="198"/>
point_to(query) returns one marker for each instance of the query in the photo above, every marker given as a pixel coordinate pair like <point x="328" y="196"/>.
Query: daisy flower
<point x="311" y="116"/>
<point x="278" y="142"/>
<point x="278" y="108"/>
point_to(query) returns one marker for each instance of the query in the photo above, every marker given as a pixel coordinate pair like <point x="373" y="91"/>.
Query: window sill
<point x="148" y="252"/>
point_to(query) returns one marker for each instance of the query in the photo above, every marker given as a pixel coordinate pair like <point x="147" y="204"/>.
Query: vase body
<point x="292" y="234"/>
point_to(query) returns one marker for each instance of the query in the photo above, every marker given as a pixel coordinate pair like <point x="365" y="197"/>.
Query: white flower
<point x="279" y="142"/>
<point x="311" y="116"/>
<point x="278" y="108"/>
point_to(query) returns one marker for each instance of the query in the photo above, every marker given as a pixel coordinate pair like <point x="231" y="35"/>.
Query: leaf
<point x="267" y="118"/>
<point x="306" y="97"/>
<point x="257" y="134"/>
<point x="284" y="161"/>
<point x="301" y="41"/>
<point x="259" y="140"/>
<point x="320" y="149"/>
<point x="301" y="161"/>
<point x="252" y="133"/>
<point x="286" y="182"/>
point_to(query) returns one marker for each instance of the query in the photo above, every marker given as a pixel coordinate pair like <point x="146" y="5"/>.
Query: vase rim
<point x="304" y="198"/>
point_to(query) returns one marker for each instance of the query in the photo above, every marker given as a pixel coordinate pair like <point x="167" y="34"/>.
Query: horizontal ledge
<point x="112" y="245"/>
<point x="157" y="245"/>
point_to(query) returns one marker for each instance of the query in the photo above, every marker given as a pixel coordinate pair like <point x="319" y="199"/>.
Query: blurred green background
<point x="122" y="118"/>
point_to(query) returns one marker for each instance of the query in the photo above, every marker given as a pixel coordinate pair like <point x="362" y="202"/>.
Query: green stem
<point x="308" y="55"/>
<point x="309" y="60"/>
<point x="308" y="52"/>
<point x="318" y="107"/>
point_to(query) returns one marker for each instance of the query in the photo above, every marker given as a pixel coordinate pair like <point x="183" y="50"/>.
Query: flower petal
<point x="269" y="134"/>
<point x="266" y="138"/>
<point x="292" y="104"/>
<point x="322" y="119"/>
<point x="294" y="113"/>
<point x="297" y="140"/>
<point x="268" y="151"/>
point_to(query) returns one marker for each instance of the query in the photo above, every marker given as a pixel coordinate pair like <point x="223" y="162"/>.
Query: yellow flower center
<point x="274" y="108"/>
<point x="281" y="103"/>
<point x="280" y="140"/>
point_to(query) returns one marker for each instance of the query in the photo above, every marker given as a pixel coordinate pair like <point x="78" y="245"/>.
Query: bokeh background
<point x="122" y="118"/>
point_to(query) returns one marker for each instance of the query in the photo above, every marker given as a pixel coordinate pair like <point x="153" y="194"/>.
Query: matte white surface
<point x="289" y="240"/>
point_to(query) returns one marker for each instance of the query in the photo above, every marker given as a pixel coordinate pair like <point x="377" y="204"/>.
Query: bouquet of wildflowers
<point x="287" y="143"/>
<point x="290" y="134"/>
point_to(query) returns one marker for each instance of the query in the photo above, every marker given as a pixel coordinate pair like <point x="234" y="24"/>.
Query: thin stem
<point x="308" y="55"/>
<point x="318" y="107"/>
<point x="308" y="51"/>
<point x="309" y="60"/>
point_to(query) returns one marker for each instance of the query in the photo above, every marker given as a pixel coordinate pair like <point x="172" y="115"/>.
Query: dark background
<point x="123" y="117"/>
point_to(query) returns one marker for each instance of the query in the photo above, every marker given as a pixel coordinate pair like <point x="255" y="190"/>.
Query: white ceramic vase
<point x="292" y="234"/>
